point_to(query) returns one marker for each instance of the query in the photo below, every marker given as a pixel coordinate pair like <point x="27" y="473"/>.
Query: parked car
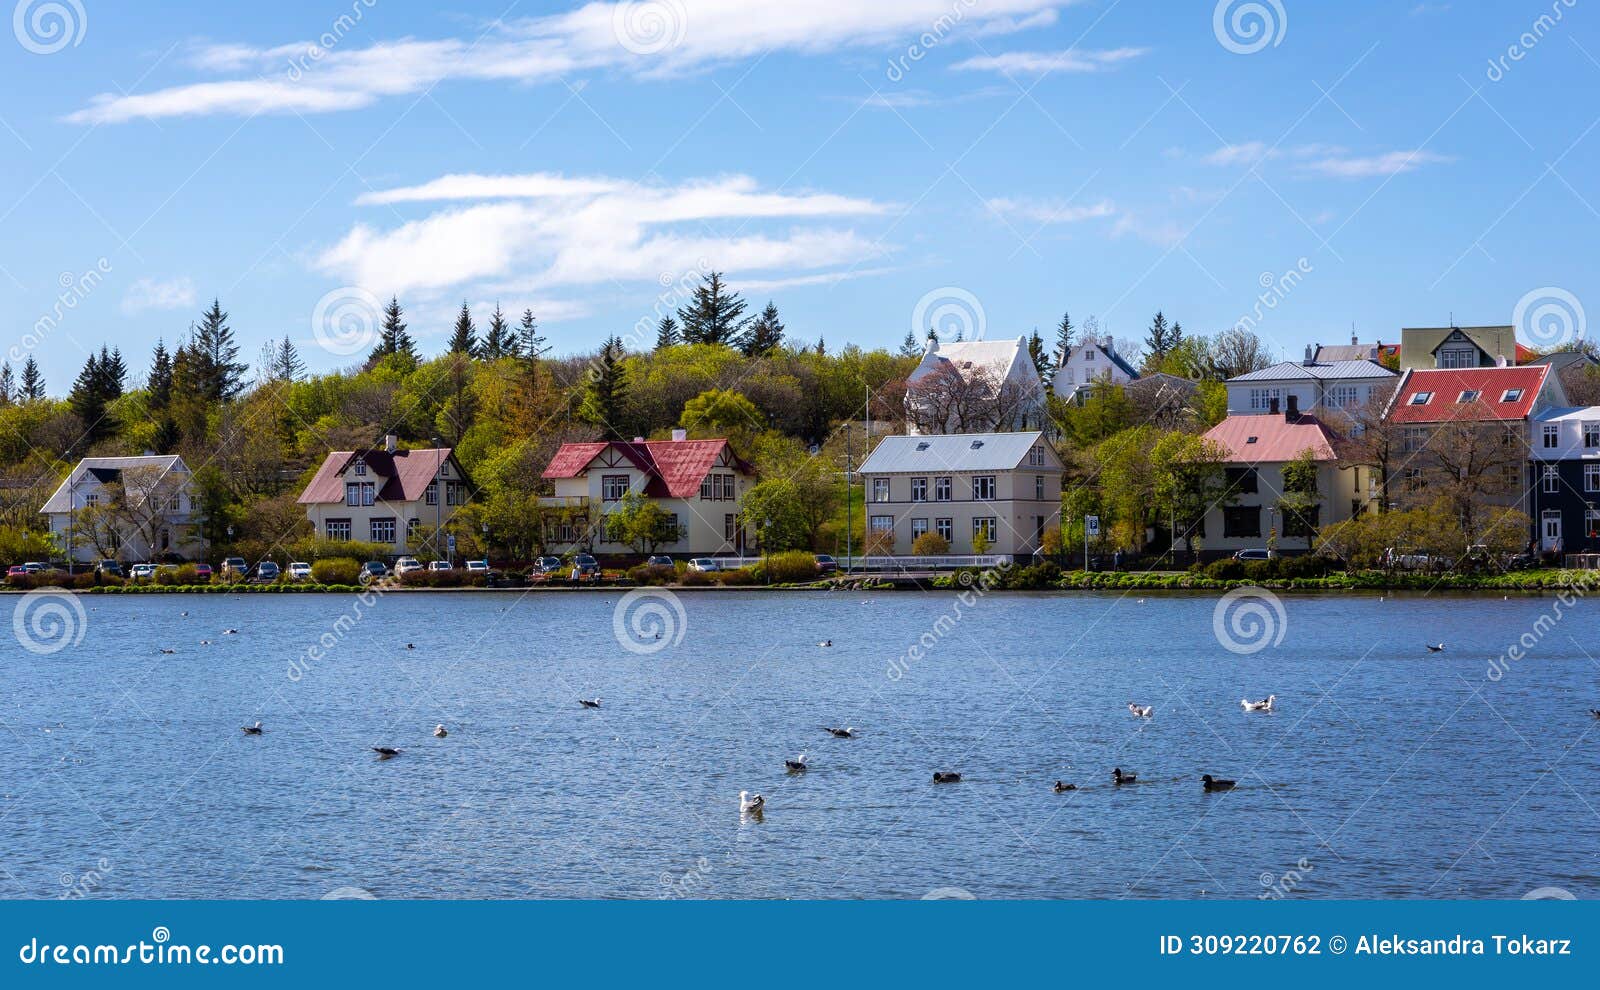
<point x="659" y="560"/>
<point x="478" y="567"/>
<point x="235" y="569"/>
<point x="267" y="572"/>
<point x="1406" y="559"/>
<point x="140" y="572"/>
<point x="299" y="570"/>
<point x="440" y="565"/>
<point x="705" y="564"/>
<point x="546" y="565"/>
<point x="202" y="571"/>
<point x="372" y="570"/>
<point x="1255" y="553"/>
<point x="110" y="567"/>
<point x="35" y="567"/>
<point x="585" y="568"/>
<point x="405" y="565"/>
<point x="826" y="564"/>
<point x="16" y="570"/>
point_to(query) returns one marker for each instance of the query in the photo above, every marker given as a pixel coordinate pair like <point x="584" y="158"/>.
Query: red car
<point x="202" y="571"/>
<point x="17" y="570"/>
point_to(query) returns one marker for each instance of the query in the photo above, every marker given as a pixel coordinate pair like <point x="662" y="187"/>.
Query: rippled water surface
<point x="1386" y="771"/>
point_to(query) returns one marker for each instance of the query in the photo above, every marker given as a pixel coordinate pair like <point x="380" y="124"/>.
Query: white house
<point x="1004" y="486"/>
<point x="1318" y="388"/>
<point x="387" y="496"/>
<point x="700" y="484"/>
<point x="1087" y="362"/>
<point x="126" y="508"/>
<point x="975" y="385"/>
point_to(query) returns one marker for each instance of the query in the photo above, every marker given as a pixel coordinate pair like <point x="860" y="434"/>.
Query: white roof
<point x="955" y="452"/>
<point x="1561" y="413"/>
<point x="1327" y="370"/>
<point x="165" y="463"/>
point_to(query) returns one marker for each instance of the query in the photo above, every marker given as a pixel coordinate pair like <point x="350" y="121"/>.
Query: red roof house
<point x="1451" y="395"/>
<point x="1269" y="437"/>
<point x="673" y="468"/>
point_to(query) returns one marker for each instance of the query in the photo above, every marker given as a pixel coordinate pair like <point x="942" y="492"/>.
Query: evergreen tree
<point x="393" y="339"/>
<point x="286" y="365"/>
<point x="607" y="388"/>
<point x="465" y="338"/>
<point x="97" y="386"/>
<point x="909" y="347"/>
<point x="765" y="334"/>
<point x="1158" y="340"/>
<point x="218" y="371"/>
<point x="500" y="341"/>
<point x="114" y="372"/>
<point x="1064" y="336"/>
<point x="8" y="385"/>
<point x="715" y="315"/>
<point x="32" y="381"/>
<point x="667" y="334"/>
<point x="530" y="343"/>
<point x="159" y="384"/>
<point x="1041" y="359"/>
<point x="822" y="348"/>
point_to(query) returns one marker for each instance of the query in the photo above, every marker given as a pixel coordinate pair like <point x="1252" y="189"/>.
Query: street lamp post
<point x="438" y="500"/>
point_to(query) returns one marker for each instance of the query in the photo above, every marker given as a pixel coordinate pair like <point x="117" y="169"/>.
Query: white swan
<point x="1264" y="705"/>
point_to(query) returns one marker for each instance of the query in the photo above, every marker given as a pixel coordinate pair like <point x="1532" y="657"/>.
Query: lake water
<point x="1386" y="771"/>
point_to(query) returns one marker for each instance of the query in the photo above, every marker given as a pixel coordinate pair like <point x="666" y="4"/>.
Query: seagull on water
<point x="826" y="643"/>
<point x="384" y="752"/>
<point x="230" y="632"/>
<point x="1211" y="783"/>
<point x="1264" y="705"/>
<point x="253" y="730"/>
<point x="590" y="702"/>
<point x="1119" y="778"/>
<point x="797" y="765"/>
<point x="439" y="732"/>
<point x="1432" y="648"/>
<point x="751" y="804"/>
<point x="1140" y="711"/>
<point x="845" y="733"/>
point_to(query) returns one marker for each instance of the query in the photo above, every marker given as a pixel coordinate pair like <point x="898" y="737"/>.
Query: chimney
<point x="1501" y="362"/>
<point x="638" y="439"/>
<point x="1354" y="340"/>
<point x="1272" y="406"/>
<point x="678" y="436"/>
<point x="391" y="443"/>
<point x="1292" y="411"/>
<point x="1308" y="354"/>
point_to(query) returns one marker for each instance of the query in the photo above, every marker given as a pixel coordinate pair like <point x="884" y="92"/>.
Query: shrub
<point x="336" y="570"/>
<point x="930" y="544"/>
<point x="792" y="566"/>
<point x="743" y="577"/>
<point x="695" y="579"/>
<point x="1226" y="569"/>
<point x="652" y="574"/>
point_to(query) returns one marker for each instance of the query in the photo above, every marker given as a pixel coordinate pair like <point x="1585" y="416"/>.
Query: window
<point x="945" y="528"/>
<point x="1513" y="476"/>
<point x="1459" y="357"/>
<point x="1591" y="523"/>
<point x="1511" y="395"/>
<point x="1038" y="488"/>
<point x="729" y="526"/>
<point x="718" y="488"/>
<point x="1261" y="399"/>
<point x="1088" y="353"/>
<point x="1591" y="477"/>
<point x="1036" y="456"/>
<point x="985" y="526"/>
<point x="983" y="487"/>
<point x="1343" y="396"/>
<point x="92" y="499"/>
<point x="337" y="529"/>
<point x="412" y="527"/>
<point x="1416" y="438"/>
<point x="883" y="524"/>
<point x="919" y="489"/>
<point x="941" y="489"/>
<point x="1421" y="399"/>
<point x="613" y="487"/>
<point x="918" y="528"/>
<point x="455" y="493"/>
<point x="1510" y="437"/>
<point x="1413" y="480"/>
<point x="1242" y="480"/>
<point x="361" y="468"/>
<point x="1551" y="480"/>
<point x="1241" y="521"/>
<point x="359" y="493"/>
<point x="1591" y="433"/>
<point x="880" y="489"/>
<point x="1469" y="395"/>
<point x="432" y="495"/>
<point x="382" y="531"/>
<point x="1552" y="436"/>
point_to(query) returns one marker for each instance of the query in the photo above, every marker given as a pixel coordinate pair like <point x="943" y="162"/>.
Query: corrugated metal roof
<point x="1331" y="370"/>
<point x="1271" y="437"/>
<point x="101" y="467"/>
<point x="955" y="452"/>
<point x="675" y="467"/>
<point x="1446" y="386"/>
<point x="405" y="474"/>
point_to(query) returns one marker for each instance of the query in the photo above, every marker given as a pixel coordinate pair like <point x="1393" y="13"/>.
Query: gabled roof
<point x="1445" y="387"/>
<point x="108" y="470"/>
<point x="1272" y="437"/>
<point x="1335" y="370"/>
<point x="402" y="476"/>
<point x="1562" y="360"/>
<point x="955" y="452"/>
<point x="1106" y="347"/>
<point x="675" y="467"/>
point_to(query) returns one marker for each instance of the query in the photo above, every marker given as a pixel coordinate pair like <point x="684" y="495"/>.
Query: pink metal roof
<point x="1446" y="386"/>
<point x="1269" y="437"/>
<point x="401" y="477"/>
<point x="675" y="467"/>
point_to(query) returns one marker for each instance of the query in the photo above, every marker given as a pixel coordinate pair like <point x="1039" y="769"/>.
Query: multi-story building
<point x="1002" y="489"/>
<point x="1566" y="479"/>
<point x="126" y="508"/>
<point x="974" y="385"/>
<point x="1319" y="389"/>
<point x="398" y="498"/>
<point x="1461" y="347"/>
<point x="1087" y="362"/>
<point x="699" y="484"/>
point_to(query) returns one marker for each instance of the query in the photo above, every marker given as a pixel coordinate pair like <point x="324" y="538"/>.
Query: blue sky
<point x="863" y="166"/>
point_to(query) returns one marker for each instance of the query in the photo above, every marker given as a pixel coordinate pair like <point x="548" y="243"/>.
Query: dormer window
<point x="1512" y="395"/>
<point x="1421" y="399"/>
<point x="361" y="468"/>
<point x="1469" y="395"/>
<point x="1088" y="353"/>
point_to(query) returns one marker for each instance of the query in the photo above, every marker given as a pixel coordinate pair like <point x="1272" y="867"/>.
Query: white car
<point x="477" y="567"/>
<point x="706" y="564"/>
<point x="405" y="565"/>
<point x="299" y="571"/>
<point x="142" y="572"/>
<point x="440" y="565"/>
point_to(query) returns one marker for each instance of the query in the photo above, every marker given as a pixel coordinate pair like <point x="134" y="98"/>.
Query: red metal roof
<point x="1269" y="437"/>
<point x="1448" y="384"/>
<point x="403" y="476"/>
<point x="675" y="467"/>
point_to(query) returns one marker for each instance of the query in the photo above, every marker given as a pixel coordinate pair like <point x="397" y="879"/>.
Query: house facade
<point x="1566" y="479"/>
<point x="1083" y="364"/>
<point x="401" y="499"/>
<point x="971" y="386"/>
<point x="700" y="484"/>
<point x="1461" y="347"/>
<point x="1004" y="488"/>
<point x="133" y="509"/>
<point x="1259" y="446"/>
<point x="1317" y="388"/>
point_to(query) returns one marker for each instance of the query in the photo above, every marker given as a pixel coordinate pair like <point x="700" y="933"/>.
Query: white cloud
<point x="1050" y="211"/>
<point x="1248" y="153"/>
<point x="821" y="278"/>
<point x="687" y="35"/>
<point x="539" y="231"/>
<point x="147" y="294"/>
<point x="1387" y="164"/>
<point x="1071" y="60"/>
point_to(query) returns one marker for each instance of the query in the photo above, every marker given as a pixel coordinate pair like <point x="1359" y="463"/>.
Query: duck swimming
<point x="946" y="778"/>
<point x="1062" y="788"/>
<point x="1211" y="783"/>
<point x="1119" y="778"/>
<point x="253" y="730"/>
